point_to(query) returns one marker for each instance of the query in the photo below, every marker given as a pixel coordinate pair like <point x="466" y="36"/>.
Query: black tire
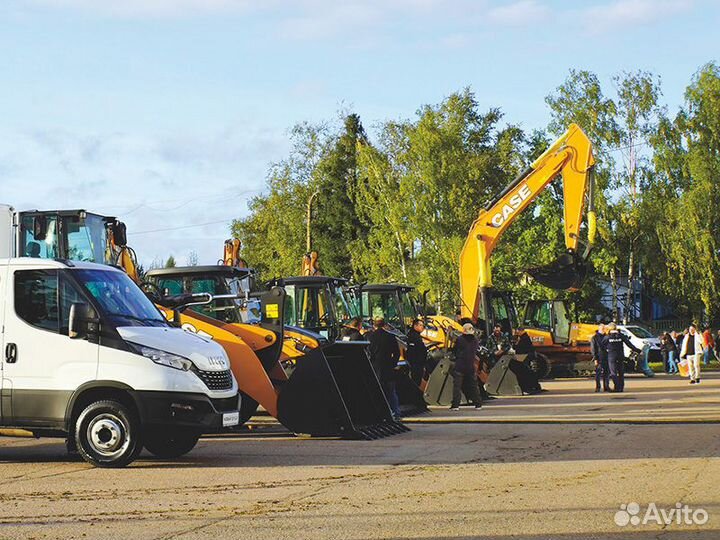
<point x="540" y="366"/>
<point x="107" y="434"/>
<point x="248" y="408"/>
<point x="169" y="444"/>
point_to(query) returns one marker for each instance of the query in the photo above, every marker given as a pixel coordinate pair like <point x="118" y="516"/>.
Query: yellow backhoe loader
<point x="320" y="305"/>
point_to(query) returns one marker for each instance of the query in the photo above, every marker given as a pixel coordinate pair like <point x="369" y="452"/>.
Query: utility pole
<point x="308" y="243"/>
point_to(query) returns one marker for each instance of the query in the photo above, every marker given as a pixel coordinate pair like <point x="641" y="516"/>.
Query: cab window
<point x="43" y="299"/>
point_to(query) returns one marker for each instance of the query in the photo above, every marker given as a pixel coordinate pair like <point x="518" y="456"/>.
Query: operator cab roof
<point x="387" y="287"/>
<point x="79" y="212"/>
<point x="308" y="281"/>
<point x="218" y="269"/>
<point x="39" y="263"/>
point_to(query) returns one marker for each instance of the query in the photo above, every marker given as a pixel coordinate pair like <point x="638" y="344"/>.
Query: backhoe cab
<point x="560" y="345"/>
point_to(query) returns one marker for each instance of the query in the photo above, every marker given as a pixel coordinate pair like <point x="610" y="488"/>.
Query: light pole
<point x="309" y="217"/>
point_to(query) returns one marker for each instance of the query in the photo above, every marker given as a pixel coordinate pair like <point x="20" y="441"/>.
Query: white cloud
<point x="519" y="13"/>
<point x="621" y="13"/>
<point x="150" y="182"/>
<point x="149" y="8"/>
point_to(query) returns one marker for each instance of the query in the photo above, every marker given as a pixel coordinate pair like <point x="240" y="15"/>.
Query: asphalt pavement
<point x="556" y="465"/>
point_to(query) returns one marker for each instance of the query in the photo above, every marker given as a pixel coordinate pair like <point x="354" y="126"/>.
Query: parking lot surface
<point x="558" y="465"/>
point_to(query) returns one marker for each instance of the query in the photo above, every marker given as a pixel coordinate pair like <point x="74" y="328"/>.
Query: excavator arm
<point x="571" y="156"/>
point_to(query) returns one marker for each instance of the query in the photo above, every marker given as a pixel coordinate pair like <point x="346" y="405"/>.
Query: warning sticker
<point x="272" y="311"/>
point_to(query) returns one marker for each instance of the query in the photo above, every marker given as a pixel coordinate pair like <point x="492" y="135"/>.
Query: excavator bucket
<point x="567" y="272"/>
<point x="333" y="391"/>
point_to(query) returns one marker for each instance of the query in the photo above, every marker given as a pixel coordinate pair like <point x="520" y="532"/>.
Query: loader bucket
<point x="567" y="272"/>
<point x="439" y="387"/>
<point x="409" y="394"/>
<point x="333" y="392"/>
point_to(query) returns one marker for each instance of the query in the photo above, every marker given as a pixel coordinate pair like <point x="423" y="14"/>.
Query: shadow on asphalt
<point x="428" y="445"/>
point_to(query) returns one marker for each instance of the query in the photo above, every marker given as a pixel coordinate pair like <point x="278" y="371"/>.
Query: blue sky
<point x="168" y="113"/>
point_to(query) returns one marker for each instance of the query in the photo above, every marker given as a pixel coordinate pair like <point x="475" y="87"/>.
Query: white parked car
<point x="641" y="337"/>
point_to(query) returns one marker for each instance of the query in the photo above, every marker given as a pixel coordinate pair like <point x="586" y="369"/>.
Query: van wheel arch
<point x="96" y="391"/>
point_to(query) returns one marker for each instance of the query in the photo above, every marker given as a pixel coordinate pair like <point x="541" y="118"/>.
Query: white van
<point x="88" y="357"/>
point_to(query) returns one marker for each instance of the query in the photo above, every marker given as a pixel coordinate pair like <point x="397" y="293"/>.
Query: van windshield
<point x="121" y="301"/>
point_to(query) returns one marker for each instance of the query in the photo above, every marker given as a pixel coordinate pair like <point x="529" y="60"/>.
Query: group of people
<point x="691" y="346"/>
<point x="385" y="352"/>
<point x="607" y="349"/>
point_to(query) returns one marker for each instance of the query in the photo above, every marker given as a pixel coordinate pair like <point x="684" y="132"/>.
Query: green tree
<point x="170" y="263"/>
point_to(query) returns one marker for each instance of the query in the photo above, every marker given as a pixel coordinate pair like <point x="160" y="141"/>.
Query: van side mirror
<point x="82" y="321"/>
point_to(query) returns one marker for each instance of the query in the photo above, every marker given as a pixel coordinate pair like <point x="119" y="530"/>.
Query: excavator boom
<point x="571" y="156"/>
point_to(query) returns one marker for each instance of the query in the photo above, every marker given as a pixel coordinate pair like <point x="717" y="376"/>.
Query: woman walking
<point x="668" y="349"/>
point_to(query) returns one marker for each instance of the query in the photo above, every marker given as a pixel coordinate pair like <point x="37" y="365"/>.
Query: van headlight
<point x="164" y="358"/>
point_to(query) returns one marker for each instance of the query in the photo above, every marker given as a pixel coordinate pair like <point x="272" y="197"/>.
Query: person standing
<point x="384" y="355"/>
<point x="613" y="344"/>
<point x="668" y="350"/>
<point x="465" y="371"/>
<point x="498" y="344"/>
<point x="352" y="331"/>
<point x="600" y="357"/>
<point x="416" y="353"/>
<point x="692" y="351"/>
<point x="679" y="337"/>
<point x="708" y="345"/>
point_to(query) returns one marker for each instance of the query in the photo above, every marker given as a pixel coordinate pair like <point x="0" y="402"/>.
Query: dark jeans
<point x="388" y="386"/>
<point x="465" y="383"/>
<point x="416" y="373"/>
<point x="602" y="373"/>
<point x="617" y="373"/>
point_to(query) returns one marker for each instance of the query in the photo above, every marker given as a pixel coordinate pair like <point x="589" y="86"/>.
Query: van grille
<point x="215" y="380"/>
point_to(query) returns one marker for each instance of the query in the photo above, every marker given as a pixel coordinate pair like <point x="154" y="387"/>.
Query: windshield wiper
<point x="134" y="318"/>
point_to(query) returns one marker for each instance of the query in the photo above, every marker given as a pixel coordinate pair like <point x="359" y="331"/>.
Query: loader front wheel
<point x="169" y="444"/>
<point x="248" y="408"/>
<point x="540" y="366"/>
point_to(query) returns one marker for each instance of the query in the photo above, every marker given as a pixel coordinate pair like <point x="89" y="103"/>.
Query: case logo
<point x="511" y="207"/>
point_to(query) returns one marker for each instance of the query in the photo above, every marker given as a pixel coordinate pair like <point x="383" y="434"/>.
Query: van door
<point x="4" y="388"/>
<point x="42" y="365"/>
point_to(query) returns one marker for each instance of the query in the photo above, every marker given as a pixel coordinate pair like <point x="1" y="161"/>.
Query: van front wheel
<point x="168" y="444"/>
<point x="107" y="434"/>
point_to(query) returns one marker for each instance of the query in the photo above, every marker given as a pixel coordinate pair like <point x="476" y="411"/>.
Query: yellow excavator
<point x="556" y="338"/>
<point x="306" y="399"/>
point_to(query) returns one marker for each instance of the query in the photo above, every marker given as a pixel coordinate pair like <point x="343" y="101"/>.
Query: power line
<point x="228" y="220"/>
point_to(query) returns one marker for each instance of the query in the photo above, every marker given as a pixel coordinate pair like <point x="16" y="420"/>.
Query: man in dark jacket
<point x="416" y="354"/>
<point x="613" y="344"/>
<point x="600" y="357"/>
<point x="384" y="354"/>
<point x="465" y="371"/>
<point x="351" y="331"/>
